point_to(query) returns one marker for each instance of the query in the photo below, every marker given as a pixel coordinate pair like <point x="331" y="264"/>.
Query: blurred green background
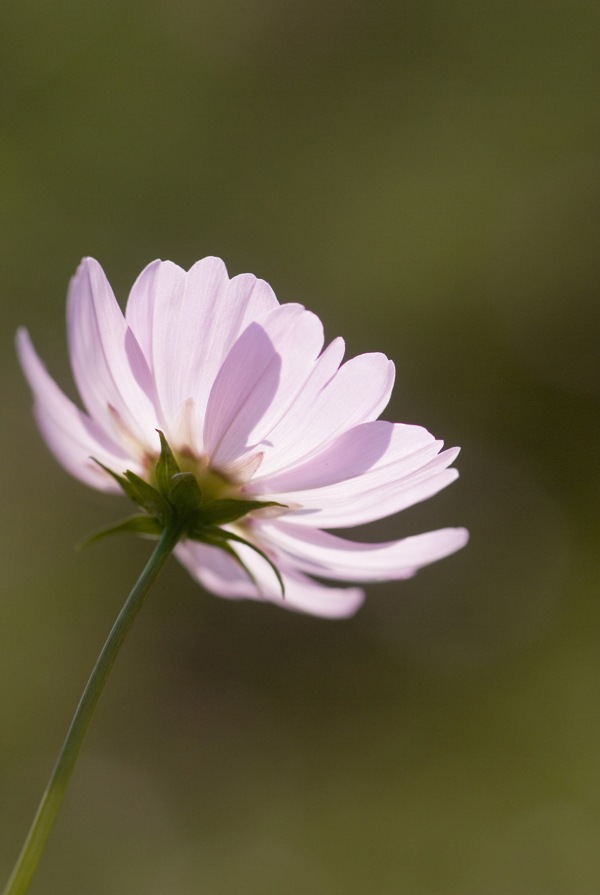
<point x="426" y="177"/>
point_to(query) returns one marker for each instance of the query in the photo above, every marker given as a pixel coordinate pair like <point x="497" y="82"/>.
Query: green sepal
<point x="141" y="493"/>
<point x="228" y="509"/>
<point x="146" y="496"/>
<point x="142" y="525"/>
<point x="166" y="465"/>
<point x="115" y="475"/>
<point x="218" y="537"/>
<point x="185" y="496"/>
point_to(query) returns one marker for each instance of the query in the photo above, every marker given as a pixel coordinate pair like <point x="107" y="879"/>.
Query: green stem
<point x="59" y="780"/>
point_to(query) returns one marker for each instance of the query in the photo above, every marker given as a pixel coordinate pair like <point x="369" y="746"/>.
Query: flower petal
<point x="353" y="453"/>
<point x="218" y="573"/>
<point x="72" y="436"/>
<point x="108" y="365"/>
<point x="319" y="553"/>
<point x="259" y="381"/>
<point x="242" y="392"/>
<point x="371" y="471"/>
<point x="187" y="322"/>
<point x="305" y="595"/>
<point x="156" y="285"/>
<point x="343" y="506"/>
<point x="215" y="570"/>
<point x="355" y="393"/>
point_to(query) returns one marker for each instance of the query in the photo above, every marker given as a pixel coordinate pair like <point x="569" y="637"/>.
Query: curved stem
<point x="59" y="780"/>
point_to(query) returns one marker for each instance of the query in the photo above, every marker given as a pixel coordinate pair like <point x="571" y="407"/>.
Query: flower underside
<point x="276" y="441"/>
<point x="196" y="500"/>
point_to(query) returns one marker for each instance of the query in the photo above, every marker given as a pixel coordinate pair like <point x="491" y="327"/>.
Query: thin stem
<point x="59" y="780"/>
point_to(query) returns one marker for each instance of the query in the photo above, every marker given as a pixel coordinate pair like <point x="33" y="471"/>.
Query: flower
<point x="253" y="407"/>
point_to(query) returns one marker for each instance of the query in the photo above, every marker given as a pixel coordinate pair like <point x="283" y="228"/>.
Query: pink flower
<point x="252" y="405"/>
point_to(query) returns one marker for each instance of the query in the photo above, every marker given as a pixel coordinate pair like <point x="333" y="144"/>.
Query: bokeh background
<point x="424" y="175"/>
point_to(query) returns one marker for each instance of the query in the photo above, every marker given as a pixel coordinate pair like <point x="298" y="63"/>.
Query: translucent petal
<point x="220" y="574"/>
<point x="371" y="471"/>
<point x="110" y="371"/>
<point x="320" y="553"/>
<point x="72" y="436"/>
<point x="186" y="323"/>
<point x="327" y="406"/>
<point x="354" y="453"/>
<point x="259" y="380"/>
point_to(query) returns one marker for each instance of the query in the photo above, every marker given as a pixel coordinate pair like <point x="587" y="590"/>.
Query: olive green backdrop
<point x="425" y="176"/>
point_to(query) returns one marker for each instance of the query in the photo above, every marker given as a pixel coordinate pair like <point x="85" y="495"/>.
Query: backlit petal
<point x="112" y="376"/>
<point x="187" y="322"/>
<point x="221" y="575"/>
<point x="355" y="393"/>
<point x="372" y="471"/>
<point x="259" y="381"/>
<point x="320" y="553"/>
<point x="73" y="437"/>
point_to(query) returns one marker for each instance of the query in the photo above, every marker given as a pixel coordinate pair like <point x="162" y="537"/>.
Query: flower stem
<point x="59" y="780"/>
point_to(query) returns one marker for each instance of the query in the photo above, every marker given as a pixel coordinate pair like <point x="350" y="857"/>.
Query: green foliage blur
<point x="425" y="175"/>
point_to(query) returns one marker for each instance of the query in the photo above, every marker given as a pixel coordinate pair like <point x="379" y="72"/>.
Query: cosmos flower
<point x="240" y="391"/>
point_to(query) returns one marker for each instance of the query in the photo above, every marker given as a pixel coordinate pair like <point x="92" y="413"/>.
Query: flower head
<point x="211" y="395"/>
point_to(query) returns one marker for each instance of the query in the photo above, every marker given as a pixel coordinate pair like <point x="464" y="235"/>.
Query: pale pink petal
<point x="361" y="449"/>
<point x="356" y="393"/>
<point x="298" y="337"/>
<point x="305" y="595"/>
<point x="160" y="282"/>
<point x="111" y="373"/>
<point x="187" y="322"/>
<point x="350" y="504"/>
<point x="319" y="553"/>
<point x="243" y="391"/>
<point x="259" y="380"/>
<point x="218" y="573"/>
<point x="348" y="484"/>
<point x="73" y="437"/>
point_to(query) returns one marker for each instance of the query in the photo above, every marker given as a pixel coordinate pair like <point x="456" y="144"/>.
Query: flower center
<point x="182" y="491"/>
<point x="214" y="485"/>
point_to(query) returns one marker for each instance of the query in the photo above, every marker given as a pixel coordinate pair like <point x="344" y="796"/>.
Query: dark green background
<point x="426" y="177"/>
